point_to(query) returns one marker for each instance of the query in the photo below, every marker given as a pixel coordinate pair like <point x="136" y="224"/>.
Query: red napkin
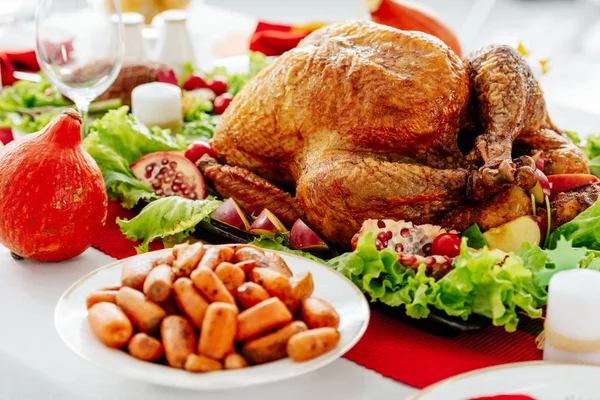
<point x="11" y="61"/>
<point x="274" y="40"/>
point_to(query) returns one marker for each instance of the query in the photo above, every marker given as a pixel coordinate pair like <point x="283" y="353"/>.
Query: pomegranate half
<point x="170" y="174"/>
<point x="52" y="196"/>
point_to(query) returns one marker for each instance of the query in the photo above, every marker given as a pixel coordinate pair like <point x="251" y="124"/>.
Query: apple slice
<point x="508" y="237"/>
<point x="267" y="224"/>
<point x="564" y="182"/>
<point x="541" y="188"/>
<point x="303" y="238"/>
<point x="229" y="213"/>
<point x="539" y="160"/>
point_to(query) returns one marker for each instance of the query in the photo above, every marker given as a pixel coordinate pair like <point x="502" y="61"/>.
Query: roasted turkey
<point x="366" y="121"/>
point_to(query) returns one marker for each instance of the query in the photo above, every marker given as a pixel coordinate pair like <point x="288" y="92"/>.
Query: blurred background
<point x="562" y="34"/>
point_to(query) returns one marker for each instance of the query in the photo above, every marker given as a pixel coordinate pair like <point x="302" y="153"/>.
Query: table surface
<point x="35" y="364"/>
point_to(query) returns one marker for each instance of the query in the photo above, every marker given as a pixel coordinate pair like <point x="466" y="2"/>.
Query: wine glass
<point x="80" y="48"/>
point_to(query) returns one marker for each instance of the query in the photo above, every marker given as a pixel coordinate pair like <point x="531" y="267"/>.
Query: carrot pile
<point x="206" y="308"/>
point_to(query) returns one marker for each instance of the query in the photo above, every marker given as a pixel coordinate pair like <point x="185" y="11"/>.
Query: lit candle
<point x="157" y="104"/>
<point x="572" y="328"/>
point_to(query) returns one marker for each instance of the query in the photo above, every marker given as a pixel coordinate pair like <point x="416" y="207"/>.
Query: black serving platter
<point x="437" y="323"/>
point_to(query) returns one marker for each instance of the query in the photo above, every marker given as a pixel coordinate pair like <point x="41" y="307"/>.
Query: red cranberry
<point x="218" y="85"/>
<point x="221" y="103"/>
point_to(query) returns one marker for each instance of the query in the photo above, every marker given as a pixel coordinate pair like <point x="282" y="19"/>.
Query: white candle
<point x="572" y="324"/>
<point x="157" y="104"/>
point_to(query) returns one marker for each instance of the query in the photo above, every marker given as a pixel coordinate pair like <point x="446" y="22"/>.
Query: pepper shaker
<point x="174" y="46"/>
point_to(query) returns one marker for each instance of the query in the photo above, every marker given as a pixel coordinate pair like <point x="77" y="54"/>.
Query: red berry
<point x="6" y="135"/>
<point x="218" y="85"/>
<point x="167" y="77"/>
<point x="197" y="150"/>
<point x="221" y="103"/>
<point x="194" y="82"/>
<point x="446" y="244"/>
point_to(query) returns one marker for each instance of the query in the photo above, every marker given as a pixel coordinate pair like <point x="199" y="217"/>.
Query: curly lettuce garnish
<point x="173" y="218"/>
<point x="481" y="282"/>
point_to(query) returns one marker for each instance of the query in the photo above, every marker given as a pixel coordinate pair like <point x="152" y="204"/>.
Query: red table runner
<point x="392" y="348"/>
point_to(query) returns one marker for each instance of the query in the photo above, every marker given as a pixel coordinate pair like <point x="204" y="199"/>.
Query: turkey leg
<point x="509" y="102"/>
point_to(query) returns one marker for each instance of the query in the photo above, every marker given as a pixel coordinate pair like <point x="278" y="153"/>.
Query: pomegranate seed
<point x="170" y="173"/>
<point x="193" y="196"/>
<point x="159" y="192"/>
<point x="173" y="164"/>
<point x="399" y="247"/>
<point x="381" y="236"/>
<point x="381" y="224"/>
<point x="379" y="245"/>
<point x="427" y="248"/>
<point x="164" y="161"/>
<point x="177" y="181"/>
<point x="183" y="186"/>
<point x="163" y="170"/>
<point x="179" y="174"/>
<point x="175" y="187"/>
<point x="150" y="167"/>
<point x="409" y="260"/>
<point x="148" y="174"/>
<point x="156" y="184"/>
<point x="160" y="176"/>
<point x="404" y="232"/>
<point x="186" y="192"/>
<point x="430" y="260"/>
<point x="388" y="235"/>
<point x="167" y="180"/>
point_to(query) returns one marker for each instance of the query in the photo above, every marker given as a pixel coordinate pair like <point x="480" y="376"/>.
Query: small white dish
<point x="539" y="380"/>
<point x="70" y="319"/>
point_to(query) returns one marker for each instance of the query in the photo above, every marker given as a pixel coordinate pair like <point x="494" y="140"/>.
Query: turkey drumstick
<point x="509" y="102"/>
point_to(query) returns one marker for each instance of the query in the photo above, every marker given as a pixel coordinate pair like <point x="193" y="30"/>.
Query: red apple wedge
<point x="229" y="213"/>
<point x="539" y="160"/>
<point x="564" y="182"/>
<point x="542" y="187"/>
<point x="508" y="237"/>
<point x="303" y="238"/>
<point x="267" y="224"/>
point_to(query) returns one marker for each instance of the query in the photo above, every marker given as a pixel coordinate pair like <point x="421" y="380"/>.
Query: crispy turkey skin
<point x="364" y="121"/>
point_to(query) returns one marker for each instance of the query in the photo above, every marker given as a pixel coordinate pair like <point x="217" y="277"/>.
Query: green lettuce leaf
<point x="202" y="127"/>
<point x="574" y="136"/>
<point x="592" y="146"/>
<point x="582" y="231"/>
<point x="475" y="237"/>
<point x="173" y="218"/>
<point x="481" y="282"/>
<point x="279" y="243"/>
<point x="131" y="139"/>
<point x="120" y="182"/>
<point x="29" y="94"/>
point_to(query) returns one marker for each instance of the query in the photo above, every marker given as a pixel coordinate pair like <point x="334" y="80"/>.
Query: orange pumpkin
<point x="52" y="197"/>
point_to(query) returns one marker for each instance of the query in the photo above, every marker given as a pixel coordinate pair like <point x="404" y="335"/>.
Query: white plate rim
<point x="482" y="371"/>
<point x="324" y="359"/>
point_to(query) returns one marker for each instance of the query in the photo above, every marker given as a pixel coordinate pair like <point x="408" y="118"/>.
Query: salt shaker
<point x="136" y="50"/>
<point x="174" y="46"/>
<point x="572" y="328"/>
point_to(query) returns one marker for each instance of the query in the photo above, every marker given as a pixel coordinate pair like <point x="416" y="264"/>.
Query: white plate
<point x="72" y="326"/>
<point x="540" y="380"/>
